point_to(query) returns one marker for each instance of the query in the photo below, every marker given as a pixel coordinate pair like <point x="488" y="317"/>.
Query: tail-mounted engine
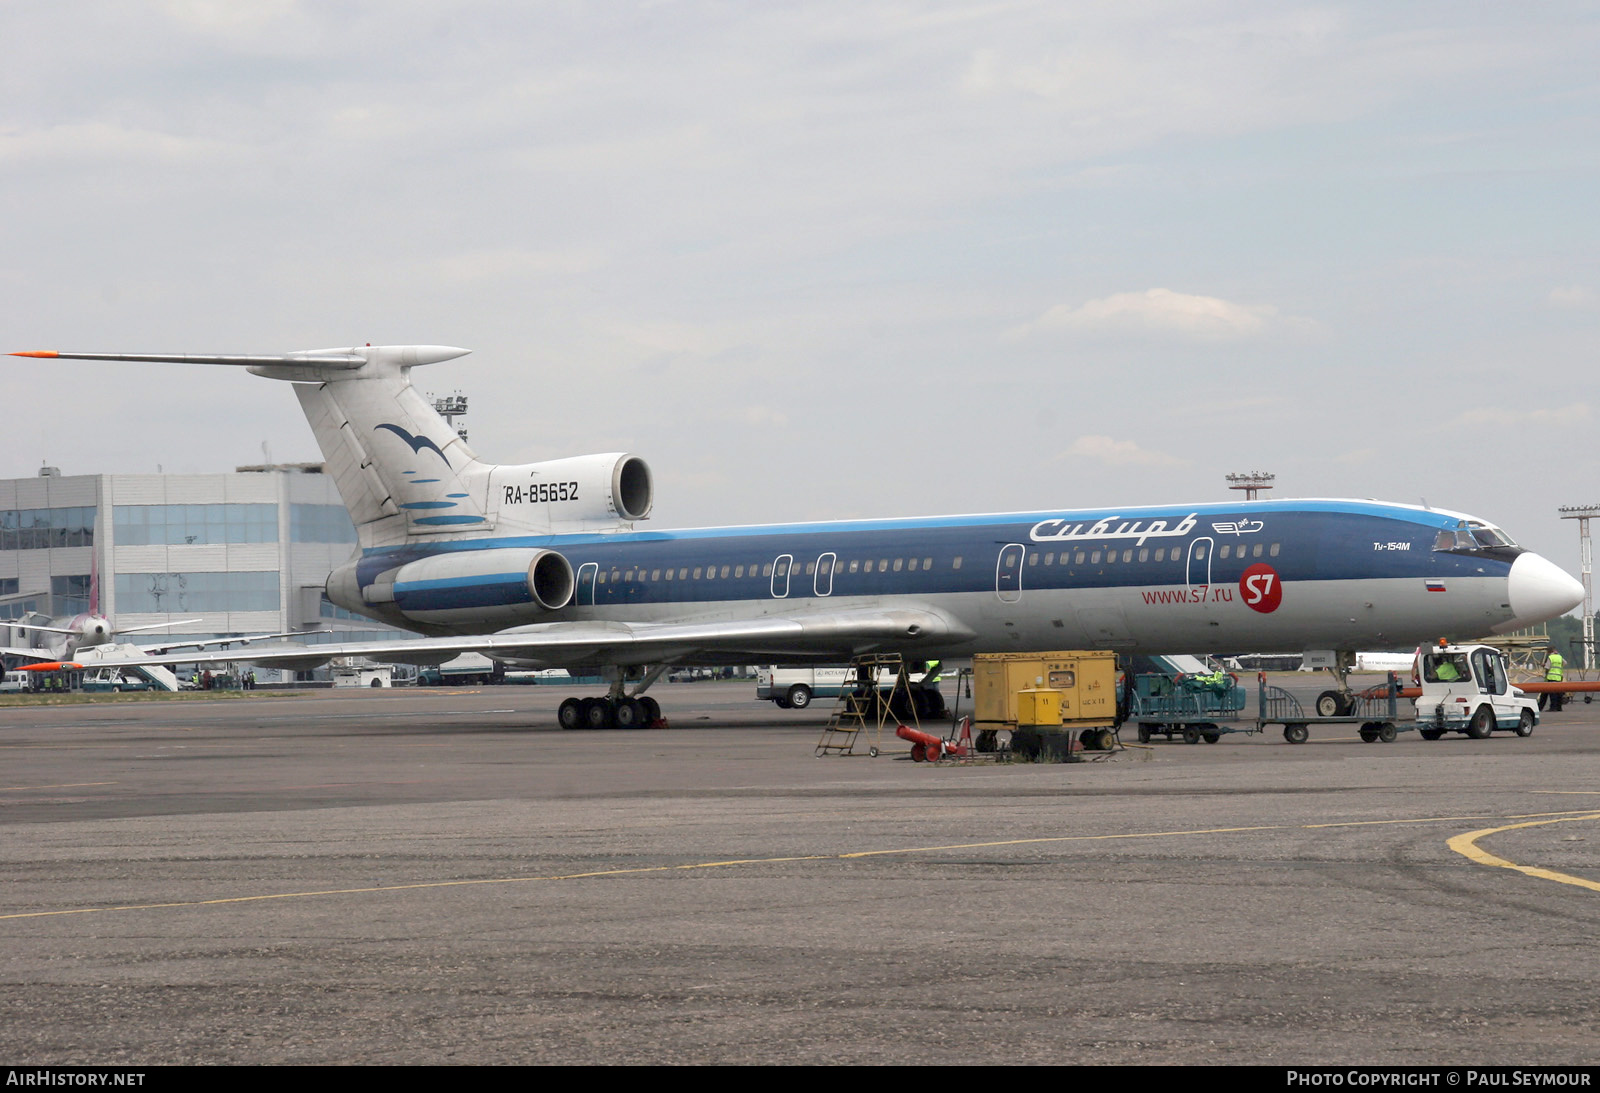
<point x="586" y="492"/>
<point x="498" y="587"/>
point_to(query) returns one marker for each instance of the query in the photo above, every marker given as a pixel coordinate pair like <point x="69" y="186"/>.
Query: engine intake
<point x="585" y="491"/>
<point x="503" y="585"/>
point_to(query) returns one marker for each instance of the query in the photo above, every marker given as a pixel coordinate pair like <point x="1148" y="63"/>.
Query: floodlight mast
<point x="1582" y="514"/>
<point x="1252" y="484"/>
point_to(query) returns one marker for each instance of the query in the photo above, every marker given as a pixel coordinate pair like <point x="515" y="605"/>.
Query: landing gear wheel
<point x="652" y="710"/>
<point x="799" y="697"/>
<point x="629" y="714"/>
<point x="570" y="715"/>
<point x="1525" y="723"/>
<point x="597" y="713"/>
<point x="1482" y="723"/>
<point x="1296" y="734"/>
<point x="1144" y="734"/>
<point x="1191" y="735"/>
<point x="1387" y="732"/>
<point x="1332" y="704"/>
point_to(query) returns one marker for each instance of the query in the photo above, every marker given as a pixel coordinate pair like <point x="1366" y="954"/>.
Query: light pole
<point x="1581" y="513"/>
<point x="1252" y="484"/>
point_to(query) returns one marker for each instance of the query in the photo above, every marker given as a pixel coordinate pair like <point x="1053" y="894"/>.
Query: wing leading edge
<point x="835" y="636"/>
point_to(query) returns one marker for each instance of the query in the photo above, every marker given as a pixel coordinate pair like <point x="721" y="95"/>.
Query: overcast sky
<point x="819" y="260"/>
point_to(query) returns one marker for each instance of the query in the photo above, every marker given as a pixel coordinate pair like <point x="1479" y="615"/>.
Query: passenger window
<point x="1078" y="558"/>
<point x="927" y="563"/>
<point x="1273" y="551"/>
<point x="1033" y="558"/>
<point x="766" y="570"/>
<point x="655" y="574"/>
<point x="956" y="564"/>
<point x="1050" y="558"/>
<point x="1127" y="555"/>
<point x="1144" y="554"/>
<point x="1226" y="548"/>
<point x="853" y="565"/>
<point x="898" y="562"/>
<point x="1094" y="557"/>
<point x="1257" y="551"/>
<point x="1161" y="554"/>
<point x="697" y="571"/>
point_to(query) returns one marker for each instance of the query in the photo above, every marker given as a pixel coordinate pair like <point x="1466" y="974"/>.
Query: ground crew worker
<point x="1555" y="671"/>
<point x="1447" y="672"/>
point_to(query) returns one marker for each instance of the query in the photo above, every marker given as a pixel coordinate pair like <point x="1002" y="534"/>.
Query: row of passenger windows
<point x="711" y="572"/>
<point x="914" y="565"/>
<point x="1162" y="554"/>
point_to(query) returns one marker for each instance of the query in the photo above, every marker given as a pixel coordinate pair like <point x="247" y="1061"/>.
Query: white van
<point x="794" y="688"/>
<point x="14" y="683"/>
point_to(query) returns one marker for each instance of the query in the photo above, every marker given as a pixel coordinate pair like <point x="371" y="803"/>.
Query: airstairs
<point x="861" y="712"/>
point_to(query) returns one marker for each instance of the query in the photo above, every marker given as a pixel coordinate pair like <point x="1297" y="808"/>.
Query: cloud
<point x="505" y="263"/>
<point x="1156" y="311"/>
<point x="1119" y="453"/>
<point x="1574" y="296"/>
<point x="1505" y="417"/>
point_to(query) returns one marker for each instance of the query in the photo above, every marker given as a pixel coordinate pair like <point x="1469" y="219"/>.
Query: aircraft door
<point x="1008" y="573"/>
<point x="824" y="583"/>
<point x="1199" y="575"/>
<point x="780" y="575"/>
<point x="584" y="597"/>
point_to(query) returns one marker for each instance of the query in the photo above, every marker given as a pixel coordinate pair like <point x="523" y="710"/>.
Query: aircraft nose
<point x="1539" y="590"/>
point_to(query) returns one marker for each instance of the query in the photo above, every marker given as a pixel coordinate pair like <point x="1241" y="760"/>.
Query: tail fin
<point x="399" y="467"/>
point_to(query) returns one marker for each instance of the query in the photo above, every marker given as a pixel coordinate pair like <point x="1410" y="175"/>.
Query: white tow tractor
<point x="1465" y="689"/>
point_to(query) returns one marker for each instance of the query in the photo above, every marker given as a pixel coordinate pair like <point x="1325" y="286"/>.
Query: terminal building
<point x="213" y="554"/>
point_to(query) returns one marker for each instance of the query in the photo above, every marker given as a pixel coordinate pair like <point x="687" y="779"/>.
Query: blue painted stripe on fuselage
<point x="456" y="593"/>
<point x="1316" y="541"/>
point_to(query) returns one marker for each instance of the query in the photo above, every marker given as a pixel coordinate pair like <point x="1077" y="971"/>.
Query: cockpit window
<point x="1475" y="537"/>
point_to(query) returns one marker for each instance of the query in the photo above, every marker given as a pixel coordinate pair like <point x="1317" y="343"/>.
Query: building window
<point x="181" y="525"/>
<point x="320" y="524"/>
<point x="170" y="593"/>
<point x="39" y="529"/>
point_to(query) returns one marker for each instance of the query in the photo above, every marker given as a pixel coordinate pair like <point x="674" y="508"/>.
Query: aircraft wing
<point x="246" y="639"/>
<point x="828" y="636"/>
<point x="28" y="654"/>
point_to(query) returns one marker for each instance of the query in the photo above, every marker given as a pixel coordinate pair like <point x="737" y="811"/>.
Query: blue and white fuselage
<point x="1278" y="575"/>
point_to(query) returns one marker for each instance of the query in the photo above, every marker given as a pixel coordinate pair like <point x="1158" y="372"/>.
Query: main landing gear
<point x="618" y="709"/>
<point x="1338" y="703"/>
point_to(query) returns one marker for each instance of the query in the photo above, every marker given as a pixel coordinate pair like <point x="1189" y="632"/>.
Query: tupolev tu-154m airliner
<point x="545" y="565"/>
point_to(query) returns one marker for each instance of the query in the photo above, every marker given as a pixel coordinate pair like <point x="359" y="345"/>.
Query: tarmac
<point x="443" y="876"/>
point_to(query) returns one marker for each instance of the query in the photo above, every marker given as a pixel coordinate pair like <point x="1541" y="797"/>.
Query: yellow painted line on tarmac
<point x="646" y="869"/>
<point x="1467" y="846"/>
<point x="62" y="785"/>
